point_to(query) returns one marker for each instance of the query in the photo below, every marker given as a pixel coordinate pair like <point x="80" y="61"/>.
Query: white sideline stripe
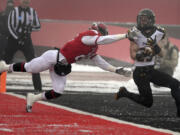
<point x="100" y="116"/>
<point x="6" y="130"/>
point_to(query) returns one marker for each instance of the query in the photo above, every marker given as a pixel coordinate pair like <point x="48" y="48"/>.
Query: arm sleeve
<point x="101" y="40"/>
<point x="100" y="62"/>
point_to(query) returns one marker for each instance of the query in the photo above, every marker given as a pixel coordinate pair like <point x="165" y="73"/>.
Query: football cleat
<point x="3" y="66"/>
<point x="121" y="93"/>
<point x="178" y="113"/>
<point x="29" y="102"/>
<point x="28" y="108"/>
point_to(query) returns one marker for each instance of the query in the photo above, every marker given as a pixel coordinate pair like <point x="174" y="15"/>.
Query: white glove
<point x="125" y="71"/>
<point x="133" y="34"/>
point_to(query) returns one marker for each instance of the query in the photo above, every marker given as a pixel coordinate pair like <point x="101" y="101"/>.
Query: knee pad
<point x="51" y="94"/>
<point x="61" y="69"/>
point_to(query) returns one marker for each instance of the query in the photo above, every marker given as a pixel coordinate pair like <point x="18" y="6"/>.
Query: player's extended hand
<point x="140" y="55"/>
<point x="148" y="50"/>
<point x="132" y="35"/>
<point x="144" y="54"/>
<point x="151" y="42"/>
<point x="125" y="71"/>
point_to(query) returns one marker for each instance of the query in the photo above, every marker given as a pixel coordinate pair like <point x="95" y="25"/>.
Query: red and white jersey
<point x="76" y="49"/>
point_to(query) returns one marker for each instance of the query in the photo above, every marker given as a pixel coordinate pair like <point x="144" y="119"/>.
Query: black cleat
<point x="178" y="113"/>
<point x="121" y="93"/>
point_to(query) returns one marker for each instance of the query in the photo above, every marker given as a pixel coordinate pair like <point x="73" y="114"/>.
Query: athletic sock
<point x="51" y="94"/>
<point x="19" y="67"/>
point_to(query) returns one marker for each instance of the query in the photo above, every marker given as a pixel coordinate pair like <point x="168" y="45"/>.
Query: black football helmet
<point x="145" y="19"/>
<point x="101" y="27"/>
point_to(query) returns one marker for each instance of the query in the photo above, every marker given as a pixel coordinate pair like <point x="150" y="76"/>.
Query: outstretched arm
<point x="100" y="62"/>
<point x="101" y="40"/>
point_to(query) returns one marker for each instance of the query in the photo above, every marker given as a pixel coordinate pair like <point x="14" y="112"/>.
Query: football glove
<point x="152" y="43"/>
<point x="125" y="71"/>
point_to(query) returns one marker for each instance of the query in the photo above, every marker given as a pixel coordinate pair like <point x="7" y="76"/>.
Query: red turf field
<point x="51" y="120"/>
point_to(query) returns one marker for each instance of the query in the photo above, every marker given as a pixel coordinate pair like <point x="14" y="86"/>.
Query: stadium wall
<point x="167" y="11"/>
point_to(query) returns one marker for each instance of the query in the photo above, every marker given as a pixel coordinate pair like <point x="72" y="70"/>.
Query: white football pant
<point x="46" y="62"/>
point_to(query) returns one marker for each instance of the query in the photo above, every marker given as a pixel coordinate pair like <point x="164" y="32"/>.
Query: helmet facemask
<point x="145" y="19"/>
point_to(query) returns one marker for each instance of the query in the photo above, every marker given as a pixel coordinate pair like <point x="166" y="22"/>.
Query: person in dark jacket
<point x="143" y="48"/>
<point x="22" y="21"/>
<point x="4" y="33"/>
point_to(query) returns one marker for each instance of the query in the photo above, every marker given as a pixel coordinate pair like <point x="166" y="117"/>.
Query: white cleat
<point x="29" y="102"/>
<point x="31" y="98"/>
<point x="28" y="108"/>
<point x="3" y="66"/>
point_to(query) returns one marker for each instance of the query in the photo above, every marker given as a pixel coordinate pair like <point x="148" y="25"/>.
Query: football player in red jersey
<point x="59" y="61"/>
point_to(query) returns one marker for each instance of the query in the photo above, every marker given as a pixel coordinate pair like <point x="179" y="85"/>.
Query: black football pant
<point x="28" y="51"/>
<point x="143" y="76"/>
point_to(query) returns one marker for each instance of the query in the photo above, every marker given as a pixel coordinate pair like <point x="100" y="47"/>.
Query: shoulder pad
<point x="134" y="28"/>
<point x="134" y="33"/>
<point x="94" y="31"/>
<point x="90" y="33"/>
<point x="161" y="29"/>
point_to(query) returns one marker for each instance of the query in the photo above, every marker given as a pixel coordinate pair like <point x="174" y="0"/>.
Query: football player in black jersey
<point x="144" y="45"/>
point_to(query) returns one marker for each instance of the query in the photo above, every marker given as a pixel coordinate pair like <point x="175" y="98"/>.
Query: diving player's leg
<point x="42" y="63"/>
<point x="36" y="65"/>
<point x="58" y="84"/>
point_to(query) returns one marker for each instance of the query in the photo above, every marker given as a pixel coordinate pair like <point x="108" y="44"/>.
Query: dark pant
<point x="168" y="70"/>
<point x="28" y="51"/>
<point x="3" y="44"/>
<point x="143" y="76"/>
